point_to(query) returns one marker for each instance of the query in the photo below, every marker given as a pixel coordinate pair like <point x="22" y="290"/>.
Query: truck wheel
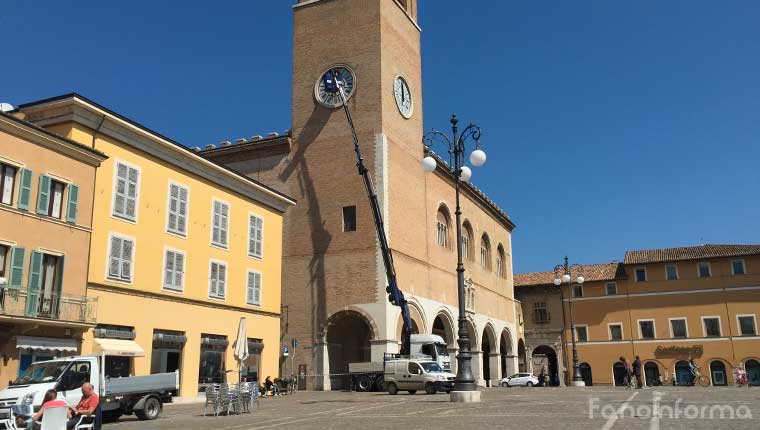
<point x="380" y="383"/>
<point x="150" y="410"/>
<point x="412" y="391"/>
<point x="392" y="389"/>
<point x="363" y="384"/>
<point x="430" y="388"/>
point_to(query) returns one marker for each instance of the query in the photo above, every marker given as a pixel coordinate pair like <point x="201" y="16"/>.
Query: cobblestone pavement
<point x="502" y="408"/>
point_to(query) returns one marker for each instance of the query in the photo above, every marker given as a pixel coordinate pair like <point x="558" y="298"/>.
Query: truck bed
<point x="366" y="367"/>
<point x="138" y="384"/>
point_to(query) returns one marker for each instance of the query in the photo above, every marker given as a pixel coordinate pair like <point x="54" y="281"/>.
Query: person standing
<point x="637" y="371"/>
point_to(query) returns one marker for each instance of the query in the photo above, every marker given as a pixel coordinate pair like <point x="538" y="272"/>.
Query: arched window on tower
<point x="485" y="252"/>
<point x="467" y="242"/>
<point x="443" y="223"/>
<point x="501" y="270"/>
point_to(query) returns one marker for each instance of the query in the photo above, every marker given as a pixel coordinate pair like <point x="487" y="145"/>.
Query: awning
<point x="47" y="343"/>
<point x="121" y="347"/>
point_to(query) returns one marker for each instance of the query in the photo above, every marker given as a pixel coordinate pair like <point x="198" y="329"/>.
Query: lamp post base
<point x="465" y="396"/>
<point x="580" y="383"/>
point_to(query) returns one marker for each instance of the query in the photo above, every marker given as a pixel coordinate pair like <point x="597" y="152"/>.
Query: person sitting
<point x="85" y="407"/>
<point x="49" y="401"/>
<point x="268" y="386"/>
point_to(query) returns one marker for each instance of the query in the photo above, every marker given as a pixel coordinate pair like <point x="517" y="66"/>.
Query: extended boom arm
<point x="396" y="297"/>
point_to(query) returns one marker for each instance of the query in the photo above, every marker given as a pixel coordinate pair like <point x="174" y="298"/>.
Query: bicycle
<point x="700" y="379"/>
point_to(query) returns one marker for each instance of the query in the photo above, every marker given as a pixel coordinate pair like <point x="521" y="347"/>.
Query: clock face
<point x="331" y="99"/>
<point x="403" y="97"/>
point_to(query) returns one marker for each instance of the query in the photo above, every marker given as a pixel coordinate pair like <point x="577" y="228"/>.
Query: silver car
<point x="520" y="380"/>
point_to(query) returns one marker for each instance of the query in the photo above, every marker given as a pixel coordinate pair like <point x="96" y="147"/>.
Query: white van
<point x="411" y="375"/>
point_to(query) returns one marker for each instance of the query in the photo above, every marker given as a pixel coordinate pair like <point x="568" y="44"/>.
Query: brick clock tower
<point x="333" y="286"/>
<point x="377" y="45"/>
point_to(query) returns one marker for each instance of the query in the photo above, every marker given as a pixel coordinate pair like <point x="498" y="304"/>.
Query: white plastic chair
<point x="8" y="423"/>
<point x="55" y="418"/>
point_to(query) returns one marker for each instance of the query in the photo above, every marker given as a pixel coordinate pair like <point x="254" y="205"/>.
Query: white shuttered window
<point x="255" y="236"/>
<point x="253" y="296"/>
<point x="177" y="210"/>
<point x="220" y="223"/>
<point x="217" y="280"/>
<point x="174" y="271"/>
<point x="120" y="257"/>
<point x="125" y="191"/>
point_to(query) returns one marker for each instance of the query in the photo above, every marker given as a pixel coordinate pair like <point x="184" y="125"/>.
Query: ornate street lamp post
<point x="465" y="381"/>
<point x="564" y="274"/>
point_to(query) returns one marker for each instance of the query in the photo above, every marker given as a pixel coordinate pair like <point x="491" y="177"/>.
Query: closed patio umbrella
<point x="241" y="347"/>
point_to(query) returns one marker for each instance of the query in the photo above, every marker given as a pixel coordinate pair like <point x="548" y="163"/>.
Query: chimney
<point x="196" y="149"/>
<point x="256" y="138"/>
<point x="273" y="134"/>
<point x="211" y="146"/>
<point x="240" y="140"/>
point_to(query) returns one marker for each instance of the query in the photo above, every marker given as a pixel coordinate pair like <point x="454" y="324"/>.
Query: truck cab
<point x="66" y="376"/>
<point x="432" y="347"/>
<point x="412" y="375"/>
<point x="141" y="395"/>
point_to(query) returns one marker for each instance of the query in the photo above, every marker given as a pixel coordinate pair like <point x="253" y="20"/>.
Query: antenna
<point x="6" y="107"/>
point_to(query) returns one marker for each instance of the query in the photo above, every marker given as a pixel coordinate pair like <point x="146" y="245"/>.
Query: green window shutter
<point x="34" y="285"/>
<point x="73" y="206"/>
<point x="18" y="256"/>
<point x="43" y="195"/>
<point x="25" y="189"/>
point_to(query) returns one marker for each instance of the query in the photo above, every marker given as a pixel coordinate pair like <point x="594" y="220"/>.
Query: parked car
<point x="520" y="380"/>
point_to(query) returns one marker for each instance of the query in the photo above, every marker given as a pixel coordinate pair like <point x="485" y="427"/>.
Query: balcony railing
<point x="63" y="307"/>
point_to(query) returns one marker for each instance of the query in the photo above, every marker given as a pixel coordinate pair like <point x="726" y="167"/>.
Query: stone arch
<point x="348" y="335"/>
<point x="551" y="365"/>
<point x="489" y="355"/>
<point x="506" y="352"/>
<point x="418" y="320"/>
<point x="444" y="326"/>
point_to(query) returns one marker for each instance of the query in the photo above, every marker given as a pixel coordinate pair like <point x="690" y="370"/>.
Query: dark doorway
<point x="522" y="360"/>
<point x="652" y="374"/>
<point x="753" y="372"/>
<point x="551" y="364"/>
<point x="619" y="374"/>
<point x="718" y="373"/>
<point x="348" y="337"/>
<point x="486" y="357"/>
<point x="586" y="374"/>
<point x="683" y="373"/>
<point x="505" y="352"/>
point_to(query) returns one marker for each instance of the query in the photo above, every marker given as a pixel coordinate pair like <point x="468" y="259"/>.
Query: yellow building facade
<point x="664" y="306"/>
<point x="181" y="250"/>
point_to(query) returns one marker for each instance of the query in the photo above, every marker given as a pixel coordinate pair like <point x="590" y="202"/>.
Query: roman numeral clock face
<point x="403" y="97"/>
<point x="324" y="90"/>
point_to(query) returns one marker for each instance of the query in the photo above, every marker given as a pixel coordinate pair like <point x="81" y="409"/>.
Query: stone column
<point x="321" y="367"/>
<point x="495" y="365"/>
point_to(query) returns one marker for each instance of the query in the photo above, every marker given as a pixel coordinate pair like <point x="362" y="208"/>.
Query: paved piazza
<point x="501" y="408"/>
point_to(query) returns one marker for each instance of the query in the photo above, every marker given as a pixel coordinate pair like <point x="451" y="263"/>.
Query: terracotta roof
<point x="591" y="272"/>
<point x="689" y="253"/>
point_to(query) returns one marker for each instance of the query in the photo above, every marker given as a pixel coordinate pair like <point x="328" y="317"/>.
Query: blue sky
<point x="609" y="125"/>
